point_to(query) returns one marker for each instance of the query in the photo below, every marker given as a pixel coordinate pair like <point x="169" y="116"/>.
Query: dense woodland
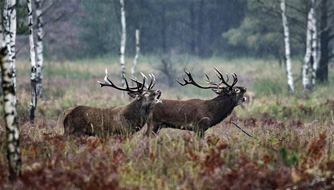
<point x="76" y="29"/>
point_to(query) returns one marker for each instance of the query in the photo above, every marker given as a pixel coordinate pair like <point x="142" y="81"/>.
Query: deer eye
<point x="237" y="90"/>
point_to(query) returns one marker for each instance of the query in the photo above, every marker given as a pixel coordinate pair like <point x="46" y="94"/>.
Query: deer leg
<point x="201" y="127"/>
<point x="149" y="129"/>
<point x="199" y="132"/>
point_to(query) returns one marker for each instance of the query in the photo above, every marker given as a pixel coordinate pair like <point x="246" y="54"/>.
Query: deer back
<point x="87" y="120"/>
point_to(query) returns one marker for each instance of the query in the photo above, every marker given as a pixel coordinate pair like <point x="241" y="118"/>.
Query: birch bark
<point x="10" y="113"/>
<point x="311" y="56"/>
<point x="9" y="34"/>
<point x="315" y="48"/>
<point x="12" y="38"/>
<point x="33" y="101"/>
<point x="308" y="54"/>
<point x="122" y="45"/>
<point x="39" y="49"/>
<point x="135" y="60"/>
<point x="287" y="48"/>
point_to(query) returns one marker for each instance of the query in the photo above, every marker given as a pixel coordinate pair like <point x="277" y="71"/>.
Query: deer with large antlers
<point x="196" y="114"/>
<point x="85" y="120"/>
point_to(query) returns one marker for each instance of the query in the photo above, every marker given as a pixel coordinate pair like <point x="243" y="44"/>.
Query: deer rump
<point x="194" y="115"/>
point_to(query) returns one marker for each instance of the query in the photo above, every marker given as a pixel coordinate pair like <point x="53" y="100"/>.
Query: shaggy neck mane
<point x="136" y="112"/>
<point x="220" y="107"/>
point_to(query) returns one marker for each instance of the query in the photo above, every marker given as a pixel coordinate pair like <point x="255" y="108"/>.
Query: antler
<point x="212" y="85"/>
<point x="108" y="82"/>
<point x="190" y="80"/>
<point x="221" y="77"/>
<point x="142" y="85"/>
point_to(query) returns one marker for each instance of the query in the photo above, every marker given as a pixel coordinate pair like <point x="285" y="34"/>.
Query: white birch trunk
<point x="5" y="24"/>
<point x="33" y="101"/>
<point x="287" y="48"/>
<point x="122" y="45"/>
<point x="9" y="26"/>
<point x="315" y="46"/>
<point x="135" y="60"/>
<point x="39" y="49"/>
<point x="5" y="29"/>
<point x="308" y="53"/>
<point x="10" y="113"/>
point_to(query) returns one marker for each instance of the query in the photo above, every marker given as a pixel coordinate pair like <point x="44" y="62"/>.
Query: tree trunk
<point x="287" y="48"/>
<point x="322" y="72"/>
<point x="9" y="27"/>
<point x="12" y="38"/>
<point x="10" y="113"/>
<point x="309" y="56"/>
<point x="135" y="60"/>
<point x="39" y="49"/>
<point x="122" y="47"/>
<point x="315" y="46"/>
<point x="33" y="101"/>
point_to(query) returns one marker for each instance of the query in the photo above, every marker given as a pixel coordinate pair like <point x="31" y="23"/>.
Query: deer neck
<point x="220" y="107"/>
<point x="137" y="112"/>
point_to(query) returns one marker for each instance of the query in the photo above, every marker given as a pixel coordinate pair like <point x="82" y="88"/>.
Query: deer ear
<point x="132" y="95"/>
<point x="227" y="91"/>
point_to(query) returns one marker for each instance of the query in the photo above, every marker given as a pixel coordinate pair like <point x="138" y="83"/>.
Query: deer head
<point x="141" y="93"/>
<point x="222" y="88"/>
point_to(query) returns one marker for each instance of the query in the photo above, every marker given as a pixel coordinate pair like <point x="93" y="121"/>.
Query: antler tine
<point x="144" y="80"/>
<point x="139" y="84"/>
<point x="108" y="82"/>
<point x="190" y="80"/>
<point x="185" y="80"/>
<point x="152" y="83"/>
<point x="221" y="77"/>
<point x="235" y="79"/>
<point x="142" y="85"/>
<point x="227" y="77"/>
<point x="207" y="79"/>
<point x="219" y="74"/>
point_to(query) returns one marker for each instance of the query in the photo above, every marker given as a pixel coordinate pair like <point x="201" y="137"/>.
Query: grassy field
<point x="291" y="146"/>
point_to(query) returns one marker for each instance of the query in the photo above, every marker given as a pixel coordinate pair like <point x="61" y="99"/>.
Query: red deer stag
<point x="196" y="114"/>
<point x="84" y="120"/>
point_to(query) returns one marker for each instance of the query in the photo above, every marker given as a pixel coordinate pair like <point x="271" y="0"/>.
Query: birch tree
<point x="10" y="114"/>
<point x="135" y="60"/>
<point x="308" y="54"/>
<point x="287" y="47"/>
<point x="9" y="27"/>
<point x="310" y="58"/>
<point x="39" y="48"/>
<point x="122" y="44"/>
<point x="315" y="47"/>
<point x="33" y="101"/>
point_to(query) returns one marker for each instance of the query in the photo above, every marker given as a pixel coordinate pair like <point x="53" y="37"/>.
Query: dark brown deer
<point x="85" y="120"/>
<point x="196" y="114"/>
